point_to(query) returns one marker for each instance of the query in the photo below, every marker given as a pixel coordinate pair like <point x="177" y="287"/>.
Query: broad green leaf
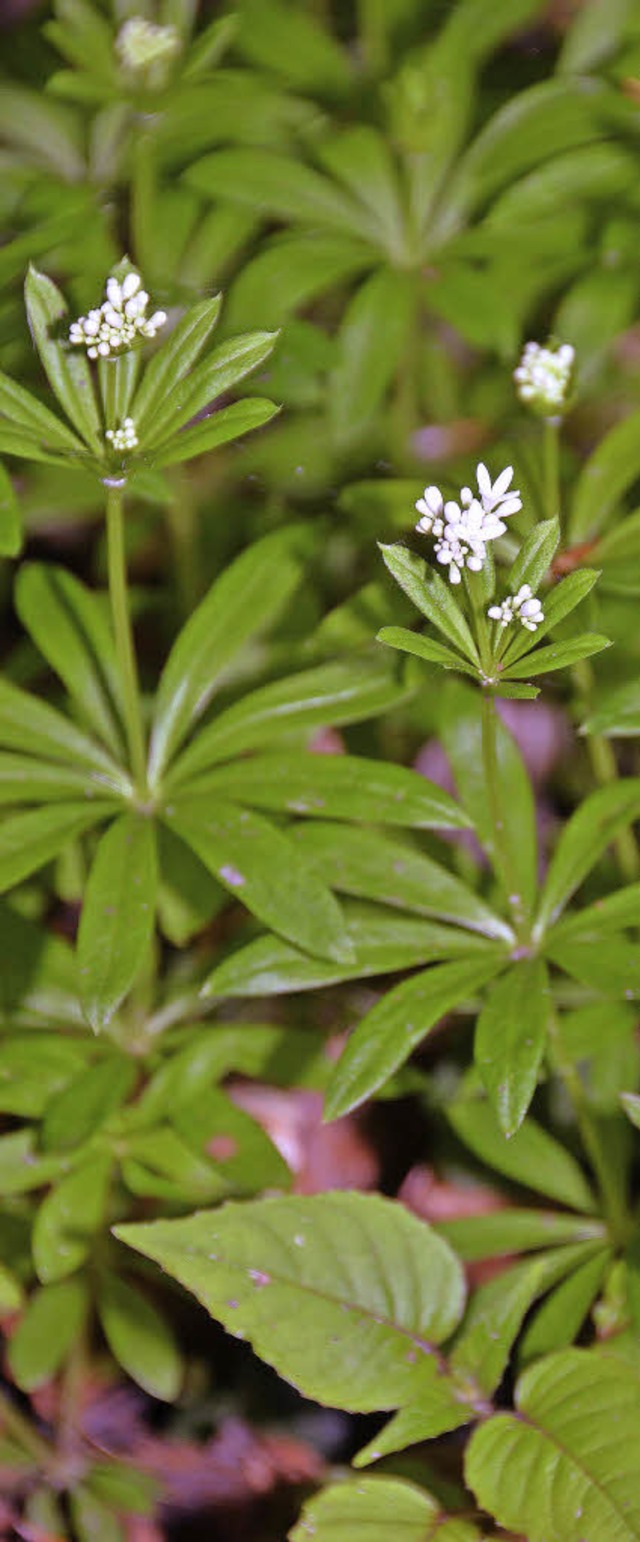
<point x="92" y="1519"/>
<point x="29" y="840"/>
<point x="277" y="186"/>
<point x="584" y="838"/>
<point x="67" y="369"/>
<point x="510" y="1038"/>
<point x="338" y="787"/>
<point x="375" y="867"/>
<point x="337" y="693"/>
<point x="498" y="1309"/>
<point x="519" y="1231"/>
<point x="618" y="715"/>
<point x="535" y="556"/>
<point x="20" y="407"/>
<point x="424" y="648"/>
<point x="261" y="867"/>
<point x="531" y="1157"/>
<point x="385" y="1037"/>
<point x="33" y="727"/>
<point x="50" y="1327"/>
<point x="69" y="1217"/>
<point x="373" y="1509"/>
<point x="432" y="597"/>
<point x="612" y="468"/>
<point x="461" y="728"/>
<point x="10" y="521"/>
<point x="314" y="1285"/>
<point x="382" y="941"/>
<point x="246" y="598"/>
<point x="369" y="347"/>
<point x="139" y="1338"/>
<point x="33" y="1068"/>
<point x="68" y="625"/>
<point x="223" y="368"/>
<point x="173" y="361"/>
<point x="563" y="1467"/>
<point x="84" y="1104"/>
<point x="223" y="426"/>
<point x="556" y="656"/>
<point x="559" y="1320"/>
<point x="118" y="916"/>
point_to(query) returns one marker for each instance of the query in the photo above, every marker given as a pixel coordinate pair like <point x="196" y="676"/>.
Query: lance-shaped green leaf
<point x="373" y="1509"/>
<point x="316" y="1287"/>
<point x="560" y="1318"/>
<point x="331" y="693"/>
<point x="278" y="185"/>
<point x="69" y="1216"/>
<point x="382" y="941"/>
<point x="118" y="916"/>
<point x="563" y="1466"/>
<point x="10" y="521"/>
<point x="29" y="840"/>
<point x="609" y="965"/>
<point x="23" y="779"/>
<point x="531" y="1157"/>
<point x="223" y="368"/>
<point x="173" y="360"/>
<point x="375" y="867"/>
<point x="432" y="597"/>
<point x="535" y="555"/>
<point x="611" y="913"/>
<point x="33" y="1068"/>
<point x="584" y="838"/>
<point x="139" y="1338"/>
<point x="293" y="45"/>
<point x="339" y="787"/>
<point x="50" y="1326"/>
<point x="510" y="1038"/>
<point x="22" y="1165"/>
<point x="442" y="1403"/>
<point x="84" y="1104"/>
<point x="262" y="867"/>
<point x="248" y="595"/>
<point x="26" y="412"/>
<point x="158" y="1163"/>
<point x="609" y="471"/>
<point x="67" y="369"/>
<point x="517" y="1231"/>
<point x="34" y="728"/>
<point x="557" y="656"/>
<point x="367" y="354"/>
<point x="461" y="729"/>
<point x="69" y="626"/>
<point x="241" y="418"/>
<point x="388" y="1033"/>
<point x="618" y="715"/>
<point x="424" y="648"/>
<point x="290" y="271"/>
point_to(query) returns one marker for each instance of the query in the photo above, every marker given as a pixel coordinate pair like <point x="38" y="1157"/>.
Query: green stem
<point x="123" y="635"/>
<point x="551" y="467"/>
<point x="22" y="1431"/>
<point x="501" y="844"/>
<point x="612" y="1200"/>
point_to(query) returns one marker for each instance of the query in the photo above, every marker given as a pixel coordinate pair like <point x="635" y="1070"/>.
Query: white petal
<point x="483" y="480"/>
<point x="502" y="482"/>
<point x="452" y="511"/>
<point x="510" y="506"/>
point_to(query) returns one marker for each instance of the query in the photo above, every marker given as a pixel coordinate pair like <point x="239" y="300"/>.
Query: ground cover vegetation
<point x="319" y="782"/>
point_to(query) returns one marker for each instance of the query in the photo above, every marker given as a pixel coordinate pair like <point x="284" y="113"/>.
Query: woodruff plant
<point x="357" y="1302"/>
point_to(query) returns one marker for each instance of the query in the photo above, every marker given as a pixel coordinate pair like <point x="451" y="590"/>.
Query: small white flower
<point x="141" y="44"/>
<point x="543" y="375"/>
<point x="124" y="437"/>
<point x="119" y="322"/>
<point x="523" y="606"/>
<point x="463" y="529"/>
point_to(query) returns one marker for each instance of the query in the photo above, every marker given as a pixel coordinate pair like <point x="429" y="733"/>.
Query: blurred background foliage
<point x="409" y="190"/>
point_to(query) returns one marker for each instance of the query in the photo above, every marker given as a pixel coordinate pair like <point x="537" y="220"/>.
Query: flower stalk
<point x="125" y="652"/>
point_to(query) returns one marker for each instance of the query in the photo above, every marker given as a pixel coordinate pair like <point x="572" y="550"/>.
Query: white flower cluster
<point x="463" y="529"/>
<point x="522" y="606"/>
<point x="543" y="375"/>
<point x="141" y="43"/>
<point x="124" y="437"/>
<point x="121" y="319"/>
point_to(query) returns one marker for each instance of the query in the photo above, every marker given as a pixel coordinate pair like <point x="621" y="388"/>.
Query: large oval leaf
<point x="344" y="1294"/>
<point x="565" y="1467"/>
<point x="373" y="1509"/>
